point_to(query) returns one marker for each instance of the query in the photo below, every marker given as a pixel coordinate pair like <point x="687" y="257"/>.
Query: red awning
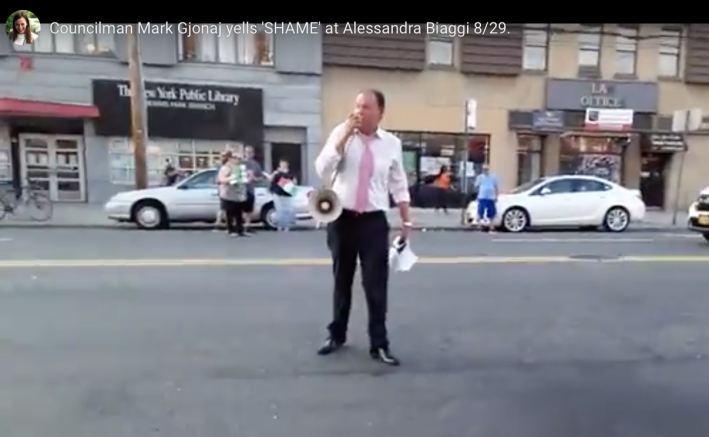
<point x="34" y="108"/>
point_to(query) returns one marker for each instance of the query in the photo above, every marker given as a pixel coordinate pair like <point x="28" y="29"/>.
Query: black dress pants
<point x="364" y="236"/>
<point x="234" y="212"/>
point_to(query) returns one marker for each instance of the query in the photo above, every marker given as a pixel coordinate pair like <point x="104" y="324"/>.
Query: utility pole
<point x="139" y="122"/>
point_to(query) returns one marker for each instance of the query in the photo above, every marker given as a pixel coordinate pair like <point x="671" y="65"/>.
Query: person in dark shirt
<point x="171" y="174"/>
<point x="283" y="186"/>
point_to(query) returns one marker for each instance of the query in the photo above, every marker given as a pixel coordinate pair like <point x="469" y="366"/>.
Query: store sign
<point x="666" y="143"/>
<point x="608" y="119"/>
<point x="183" y="111"/>
<point x="548" y="121"/>
<point x="577" y="95"/>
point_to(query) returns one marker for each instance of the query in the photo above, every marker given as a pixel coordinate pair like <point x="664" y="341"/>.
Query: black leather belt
<point x="353" y="213"/>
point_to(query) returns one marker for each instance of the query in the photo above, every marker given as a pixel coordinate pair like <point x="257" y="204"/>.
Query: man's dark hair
<point x="379" y="97"/>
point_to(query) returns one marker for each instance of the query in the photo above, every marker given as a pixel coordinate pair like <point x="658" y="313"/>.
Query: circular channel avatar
<point x="22" y="27"/>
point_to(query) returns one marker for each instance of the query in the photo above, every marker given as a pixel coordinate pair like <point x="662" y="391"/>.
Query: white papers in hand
<point x="401" y="257"/>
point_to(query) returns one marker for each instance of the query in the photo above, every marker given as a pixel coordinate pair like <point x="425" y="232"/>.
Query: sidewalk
<point x="92" y="216"/>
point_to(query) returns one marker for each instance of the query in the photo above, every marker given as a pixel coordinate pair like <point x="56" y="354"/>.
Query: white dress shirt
<point x="389" y="174"/>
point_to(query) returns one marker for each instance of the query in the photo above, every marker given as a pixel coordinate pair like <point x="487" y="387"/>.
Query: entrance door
<point x="56" y="164"/>
<point x="653" y="175"/>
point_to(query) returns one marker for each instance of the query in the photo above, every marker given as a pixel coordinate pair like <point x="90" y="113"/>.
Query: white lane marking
<point x="698" y="236"/>
<point x="5" y="240"/>
<point x="573" y="240"/>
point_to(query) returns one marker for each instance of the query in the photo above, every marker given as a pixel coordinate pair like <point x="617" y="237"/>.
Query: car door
<point x="590" y="199"/>
<point x="197" y="197"/>
<point x="552" y="203"/>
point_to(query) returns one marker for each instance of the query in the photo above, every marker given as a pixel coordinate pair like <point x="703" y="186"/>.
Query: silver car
<point x="194" y="199"/>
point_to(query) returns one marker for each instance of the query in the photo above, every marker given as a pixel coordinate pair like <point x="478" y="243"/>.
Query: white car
<point x="698" y="214"/>
<point x="566" y="201"/>
<point x="194" y="199"/>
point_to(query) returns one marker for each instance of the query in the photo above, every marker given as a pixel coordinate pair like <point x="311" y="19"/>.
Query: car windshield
<point x="526" y="186"/>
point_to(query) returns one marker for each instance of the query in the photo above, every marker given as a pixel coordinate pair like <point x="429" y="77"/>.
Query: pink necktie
<point x="366" y="171"/>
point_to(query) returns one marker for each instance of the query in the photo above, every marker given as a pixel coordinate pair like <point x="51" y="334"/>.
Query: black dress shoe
<point x="330" y="346"/>
<point x="383" y="355"/>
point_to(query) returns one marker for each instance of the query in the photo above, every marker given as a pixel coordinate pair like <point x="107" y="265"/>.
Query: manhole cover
<point x="595" y="257"/>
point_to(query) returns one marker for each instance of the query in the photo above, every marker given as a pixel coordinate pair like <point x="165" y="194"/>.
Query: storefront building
<point x="426" y="103"/>
<point x="532" y="88"/>
<point x="65" y="109"/>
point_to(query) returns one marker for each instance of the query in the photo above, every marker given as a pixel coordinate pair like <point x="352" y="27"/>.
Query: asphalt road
<point x="542" y="349"/>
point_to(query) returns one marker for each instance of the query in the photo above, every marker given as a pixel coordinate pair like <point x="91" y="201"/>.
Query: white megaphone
<point x="324" y="205"/>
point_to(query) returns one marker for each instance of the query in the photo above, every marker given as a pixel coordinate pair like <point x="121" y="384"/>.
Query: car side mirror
<point x="183" y="187"/>
<point x="544" y="191"/>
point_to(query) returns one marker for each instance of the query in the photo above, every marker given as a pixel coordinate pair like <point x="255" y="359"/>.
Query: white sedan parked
<point x="194" y="199"/>
<point x="566" y="201"/>
<point x="698" y="214"/>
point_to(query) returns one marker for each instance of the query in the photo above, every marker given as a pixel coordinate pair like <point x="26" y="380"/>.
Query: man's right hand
<point x="351" y="125"/>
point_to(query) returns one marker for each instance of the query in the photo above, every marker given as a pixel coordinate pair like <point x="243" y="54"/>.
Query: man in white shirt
<point x="369" y="163"/>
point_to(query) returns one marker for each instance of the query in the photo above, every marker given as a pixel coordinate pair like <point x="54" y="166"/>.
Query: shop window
<point x="529" y="158"/>
<point x="413" y="149"/>
<point x="596" y="156"/>
<point x="5" y="162"/>
<point x="235" y="48"/>
<point x="438" y="150"/>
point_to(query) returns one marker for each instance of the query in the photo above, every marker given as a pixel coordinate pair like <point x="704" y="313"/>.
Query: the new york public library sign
<point x="182" y="111"/>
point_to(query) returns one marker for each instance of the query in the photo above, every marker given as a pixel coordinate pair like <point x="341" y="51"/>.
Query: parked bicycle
<point x="31" y="199"/>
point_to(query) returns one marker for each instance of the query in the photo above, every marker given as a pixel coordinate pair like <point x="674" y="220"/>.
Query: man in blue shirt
<point x="487" y="188"/>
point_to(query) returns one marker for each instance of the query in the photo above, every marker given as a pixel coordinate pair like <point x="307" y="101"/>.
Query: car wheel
<point x="268" y="216"/>
<point x="515" y="220"/>
<point x="617" y="219"/>
<point x="150" y="214"/>
<point x="706" y="236"/>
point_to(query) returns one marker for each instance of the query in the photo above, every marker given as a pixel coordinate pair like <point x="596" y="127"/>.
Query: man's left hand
<point x="405" y="230"/>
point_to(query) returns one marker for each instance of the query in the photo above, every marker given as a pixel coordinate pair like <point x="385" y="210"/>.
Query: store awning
<point x="35" y="108"/>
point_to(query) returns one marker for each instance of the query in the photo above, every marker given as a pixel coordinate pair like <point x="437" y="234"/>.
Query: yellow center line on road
<point x="306" y="262"/>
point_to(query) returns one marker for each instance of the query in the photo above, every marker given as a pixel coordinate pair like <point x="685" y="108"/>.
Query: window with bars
<point x="626" y="49"/>
<point x="669" y="55"/>
<point x="185" y="155"/>
<point x="235" y="48"/>
<point x="74" y="43"/>
<point x="536" y="47"/>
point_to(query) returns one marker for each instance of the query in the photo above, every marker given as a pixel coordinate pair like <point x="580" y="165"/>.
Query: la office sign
<point x="183" y="111"/>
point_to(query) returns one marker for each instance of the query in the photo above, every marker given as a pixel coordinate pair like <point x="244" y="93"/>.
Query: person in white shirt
<point x="369" y="163"/>
<point x="21" y="32"/>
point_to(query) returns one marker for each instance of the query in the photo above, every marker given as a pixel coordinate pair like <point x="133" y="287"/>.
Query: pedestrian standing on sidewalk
<point x="488" y="190"/>
<point x="255" y="175"/>
<point x="232" y="193"/>
<point x="443" y="183"/>
<point x="283" y="186"/>
<point x="221" y="214"/>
